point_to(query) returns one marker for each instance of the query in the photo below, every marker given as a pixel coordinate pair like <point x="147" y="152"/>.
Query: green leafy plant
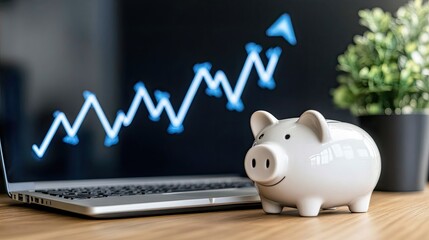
<point x="386" y="70"/>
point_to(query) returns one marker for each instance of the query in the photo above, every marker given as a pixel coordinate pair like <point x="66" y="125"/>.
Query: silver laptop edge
<point x="122" y="206"/>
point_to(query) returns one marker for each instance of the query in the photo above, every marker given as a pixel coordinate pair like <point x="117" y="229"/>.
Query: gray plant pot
<point x="403" y="141"/>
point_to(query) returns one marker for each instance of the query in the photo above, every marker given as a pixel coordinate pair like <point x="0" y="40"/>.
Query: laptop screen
<point x="106" y="89"/>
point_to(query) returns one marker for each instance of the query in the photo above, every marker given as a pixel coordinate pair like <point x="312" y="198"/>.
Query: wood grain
<point x="391" y="216"/>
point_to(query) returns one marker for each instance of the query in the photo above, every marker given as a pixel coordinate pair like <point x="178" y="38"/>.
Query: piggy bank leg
<point x="360" y="204"/>
<point x="271" y="207"/>
<point x="309" y="207"/>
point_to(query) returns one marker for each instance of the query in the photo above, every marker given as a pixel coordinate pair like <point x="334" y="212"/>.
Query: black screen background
<point x="158" y="43"/>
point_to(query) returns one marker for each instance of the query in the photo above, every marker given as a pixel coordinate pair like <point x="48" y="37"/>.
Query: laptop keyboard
<point x="129" y="190"/>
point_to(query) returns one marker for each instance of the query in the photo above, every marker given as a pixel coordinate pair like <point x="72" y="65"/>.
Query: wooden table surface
<point x="391" y="216"/>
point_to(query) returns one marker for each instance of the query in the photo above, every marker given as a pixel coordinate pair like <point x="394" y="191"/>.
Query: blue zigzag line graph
<point x="202" y="74"/>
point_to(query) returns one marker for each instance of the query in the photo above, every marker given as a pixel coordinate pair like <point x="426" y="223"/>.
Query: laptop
<point x="124" y="108"/>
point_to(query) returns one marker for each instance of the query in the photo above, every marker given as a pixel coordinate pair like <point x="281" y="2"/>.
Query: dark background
<point x="108" y="46"/>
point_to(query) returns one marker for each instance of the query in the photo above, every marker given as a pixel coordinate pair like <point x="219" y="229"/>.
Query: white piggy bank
<point x="311" y="163"/>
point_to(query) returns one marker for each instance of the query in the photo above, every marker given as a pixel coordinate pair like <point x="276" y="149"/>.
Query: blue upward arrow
<point x="282" y="28"/>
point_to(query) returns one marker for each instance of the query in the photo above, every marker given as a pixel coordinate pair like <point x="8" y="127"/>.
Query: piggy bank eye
<point x="287" y="136"/>
<point x="260" y="137"/>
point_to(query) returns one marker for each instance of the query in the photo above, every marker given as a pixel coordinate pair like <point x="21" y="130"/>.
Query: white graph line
<point x="216" y="86"/>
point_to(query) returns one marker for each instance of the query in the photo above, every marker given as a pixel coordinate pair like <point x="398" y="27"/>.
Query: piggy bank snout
<point x="266" y="164"/>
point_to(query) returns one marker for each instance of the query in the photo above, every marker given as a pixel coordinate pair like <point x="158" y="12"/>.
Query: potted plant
<point x="384" y="80"/>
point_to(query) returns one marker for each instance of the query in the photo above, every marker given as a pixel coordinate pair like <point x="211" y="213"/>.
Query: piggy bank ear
<point x="261" y="120"/>
<point x="317" y="123"/>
